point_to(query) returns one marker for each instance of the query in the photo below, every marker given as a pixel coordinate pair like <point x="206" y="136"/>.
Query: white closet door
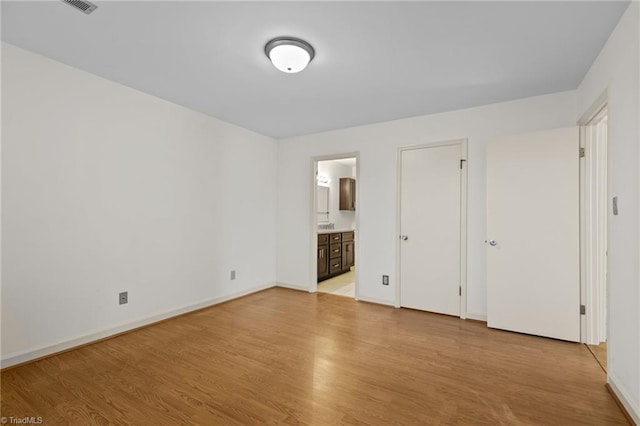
<point x="430" y="227"/>
<point x="533" y="281"/>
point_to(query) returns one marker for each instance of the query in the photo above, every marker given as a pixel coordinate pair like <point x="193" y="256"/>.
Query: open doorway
<point x="594" y="225"/>
<point x="335" y="225"/>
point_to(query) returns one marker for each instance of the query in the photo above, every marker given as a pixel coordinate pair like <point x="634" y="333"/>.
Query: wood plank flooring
<point x="600" y="354"/>
<point x="287" y="357"/>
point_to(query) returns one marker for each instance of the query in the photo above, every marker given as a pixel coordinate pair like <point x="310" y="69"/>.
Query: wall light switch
<point x="233" y="275"/>
<point x="385" y="280"/>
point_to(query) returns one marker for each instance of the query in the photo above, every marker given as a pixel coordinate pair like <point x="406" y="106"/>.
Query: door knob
<point x="493" y="243"/>
<point x="404" y="237"/>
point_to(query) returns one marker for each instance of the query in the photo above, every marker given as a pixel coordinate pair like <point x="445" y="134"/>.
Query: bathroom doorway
<point x="335" y="225"/>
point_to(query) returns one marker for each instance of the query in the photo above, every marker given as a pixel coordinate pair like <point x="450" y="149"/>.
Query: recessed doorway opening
<point x="335" y="225"/>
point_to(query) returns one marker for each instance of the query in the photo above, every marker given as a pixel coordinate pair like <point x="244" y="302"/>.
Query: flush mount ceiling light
<point x="289" y="54"/>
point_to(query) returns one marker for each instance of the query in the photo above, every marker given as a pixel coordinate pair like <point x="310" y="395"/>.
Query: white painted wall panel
<point x="378" y="144"/>
<point x="106" y="189"/>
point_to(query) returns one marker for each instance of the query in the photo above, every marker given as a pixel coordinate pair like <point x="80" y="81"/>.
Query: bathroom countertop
<point x="334" y="231"/>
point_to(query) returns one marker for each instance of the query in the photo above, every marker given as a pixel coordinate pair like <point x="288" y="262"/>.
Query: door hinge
<point x="462" y="161"/>
<point x="583" y="310"/>
<point x="459" y="290"/>
<point x="582" y="152"/>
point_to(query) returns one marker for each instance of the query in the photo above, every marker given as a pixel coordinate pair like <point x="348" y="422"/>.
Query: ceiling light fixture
<point x="289" y="54"/>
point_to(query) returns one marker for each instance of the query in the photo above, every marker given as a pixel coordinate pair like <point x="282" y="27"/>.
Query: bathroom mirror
<point x="323" y="204"/>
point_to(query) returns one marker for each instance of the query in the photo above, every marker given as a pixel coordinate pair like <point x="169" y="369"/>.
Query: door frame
<point x="463" y="143"/>
<point x="592" y="331"/>
<point x="313" y="272"/>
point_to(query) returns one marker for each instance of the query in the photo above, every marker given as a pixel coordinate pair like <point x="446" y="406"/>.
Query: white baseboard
<point x="624" y="398"/>
<point x="376" y="301"/>
<point x="43" y="351"/>
<point x="292" y="286"/>
<point x="476" y="317"/>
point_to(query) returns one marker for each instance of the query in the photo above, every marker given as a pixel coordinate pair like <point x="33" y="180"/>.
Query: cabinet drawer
<point x="335" y="265"/>
<point x="335" y="250"/>
<point x="323" y="239"/>
<point x="334" y="238"/>
<point x="347" y="236"/>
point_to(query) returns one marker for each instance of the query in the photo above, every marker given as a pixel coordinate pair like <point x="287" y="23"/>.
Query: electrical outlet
<point x="124" y="297"/>
<point x="233" y="275"/>
<point x="385" y="280"/>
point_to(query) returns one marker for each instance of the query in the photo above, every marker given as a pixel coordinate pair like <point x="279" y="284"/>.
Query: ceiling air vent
<point x="82" y="5"/>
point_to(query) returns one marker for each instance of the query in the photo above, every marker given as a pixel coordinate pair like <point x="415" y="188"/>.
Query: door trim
<point x="313" y="272"/>
<point x="463" y="143"/>
<point x="592" y="331"/>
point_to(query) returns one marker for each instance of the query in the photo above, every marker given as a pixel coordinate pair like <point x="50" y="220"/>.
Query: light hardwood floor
<point x="287" y="357"/>
<point x="600" y="354"/>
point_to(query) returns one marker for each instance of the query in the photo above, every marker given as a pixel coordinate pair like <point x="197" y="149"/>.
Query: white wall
<point x="107" y="189"/>
<point x="378" y="145"/>
<point x="334" y="170"/>
<point x="616" y="70"/>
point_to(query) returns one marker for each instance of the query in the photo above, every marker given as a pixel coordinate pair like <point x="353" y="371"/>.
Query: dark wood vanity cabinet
<point x="347" y="194"/>
<point x="323" y="255"/>
<point x="336" y="254"/>
<point x="323" y="261"/>
<point x="348" y="251"/>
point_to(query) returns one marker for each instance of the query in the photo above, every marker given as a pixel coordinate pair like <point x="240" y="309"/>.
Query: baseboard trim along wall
<point x="624" y="401"/>
<point x="361" y="299"/>
<point x="476" y="317"/>
<point x="25" y="357"/>
<point x="292" y="286"/>
<point x="376" y="301"/>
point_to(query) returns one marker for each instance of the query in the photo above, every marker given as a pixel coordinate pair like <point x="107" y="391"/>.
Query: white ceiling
<point x="374" y="61"/>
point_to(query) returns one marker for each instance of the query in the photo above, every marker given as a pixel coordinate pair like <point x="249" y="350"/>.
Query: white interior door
<point x="533" y="252"/>
<point x="430" y="218"/>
